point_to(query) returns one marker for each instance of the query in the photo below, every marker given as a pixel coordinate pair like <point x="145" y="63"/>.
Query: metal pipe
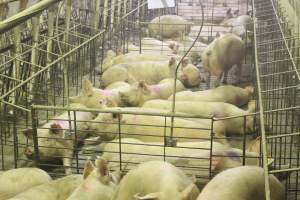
<point x="25" y="14"/>
<point x="261" y="113"/>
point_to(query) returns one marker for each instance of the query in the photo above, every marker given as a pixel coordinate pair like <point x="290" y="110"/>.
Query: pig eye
<point x="102" y="102"/>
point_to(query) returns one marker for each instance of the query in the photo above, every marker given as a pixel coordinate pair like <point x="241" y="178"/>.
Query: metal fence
<point x="48" y="66"/>
<point x="277" y="51"/>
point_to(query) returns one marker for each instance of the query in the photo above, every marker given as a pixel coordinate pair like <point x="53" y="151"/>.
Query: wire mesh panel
<point x="278" y="59"/>
<point x="44" y="60"/>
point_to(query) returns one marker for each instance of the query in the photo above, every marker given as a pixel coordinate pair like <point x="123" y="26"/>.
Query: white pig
<point x="95" y="98"/>
<point x="169" y="26"/>
<point x="213" y="109"/>
<point x="98" y="183"/>
<point x="58" y="189"/>
<point x="246" y="182"/>
<point x="56" y="138"/>
<point x="118" y="84"/>
<point x="15" y="181"/>
<point x="141" y="92"/>
<point x="149" y="128"/>
<point x="191" y="154"/>
<point x="156" y="180"/>
<point x="152" y="72"/>
<point x="222" y="54"/>
<point x="227" y="93"/>
<point x="180" y="47"/>
<point x="111" y="60"/>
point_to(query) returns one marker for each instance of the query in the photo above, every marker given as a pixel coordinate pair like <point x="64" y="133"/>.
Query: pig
<point x="141" y="92"/>
<point x="222" y="54"/>
<point x="245" y="182"/>
<point x="152" y="45"/>
<point x="95" y="98"/>
<point x="26" y="178"/>
<point x="241" y="26"/>
<point x="169" y="26"/>
<point x="58" y="189"/>
<point x="209" y="32"/>
<point x="226" y="93"/>
<point x="152" y="72"/>
<point x="149" y="128"/>
<point x="130" y="57"/>
<point x="215" y="110"/>
<point x="110" y="55"/>
<point x="56" y="139"/>
<point x="118" y="84"/>
<point x="181" y="47"/>
<point x="98" y="183"/>
<point x="193" y="155"/>
<point x="156" y="180"/>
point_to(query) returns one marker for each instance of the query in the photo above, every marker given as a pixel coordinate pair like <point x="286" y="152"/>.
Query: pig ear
<point x="102" y="168"/>
<point x="185" y="62"/>
<point x="87" y="87"/>
<point x="28" y="133"/>
<point x="150" y="196"/>
<point x="172" y="61"/>
<point x="254" y="146"/>
<point x="88" y="168"/>
<point x="56" y="129"/>
<point x="143" y="86"/>
<point x="73" y="99"/>
<point x="249" y="89"/>
<point x="216" y="160"/>
<point x="188" y="192"/>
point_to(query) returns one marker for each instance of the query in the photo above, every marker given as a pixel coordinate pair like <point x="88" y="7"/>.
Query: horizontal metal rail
<point x="119" y="111"/>
<point x="25" y="14"/>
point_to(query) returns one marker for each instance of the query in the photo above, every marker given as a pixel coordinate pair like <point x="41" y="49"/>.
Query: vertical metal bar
<point x="105" y="13"/>
<point x="17" y="50"/>
<point x="261" y="115"/>
<point x="120" y="143"/>
<point x="34" y="117"/>
<point x="211" y="147"/>
<point x="35" y="29"/>
<point x="66" y="41"/>
<point x="124" y="7"/>
<point x="119" y="11"/>
<point x="112" y="14"/>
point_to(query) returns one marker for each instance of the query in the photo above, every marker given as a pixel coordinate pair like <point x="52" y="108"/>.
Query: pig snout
<point x="28" y="153"/>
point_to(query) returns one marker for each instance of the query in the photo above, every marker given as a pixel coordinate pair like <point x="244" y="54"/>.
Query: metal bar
<point x="285" y="42"/>
<point x="118" y="111"/>
<point x="261" y="113"/>
<point x="25" y="14"/>
<point x="51" y="64"/>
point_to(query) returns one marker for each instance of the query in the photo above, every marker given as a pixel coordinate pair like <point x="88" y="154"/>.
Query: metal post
<point x="105" y="12"/>
<point x="33" y="60"/>
<point x="66" y="40"/>
<point x="112" y="14"/>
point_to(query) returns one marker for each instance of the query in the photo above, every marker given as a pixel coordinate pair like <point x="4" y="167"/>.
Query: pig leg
<point x="238" y="72"/>
<point x="224" y="77"/>
<point x="219" y="79"/>
<point x="67" y="161"/>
